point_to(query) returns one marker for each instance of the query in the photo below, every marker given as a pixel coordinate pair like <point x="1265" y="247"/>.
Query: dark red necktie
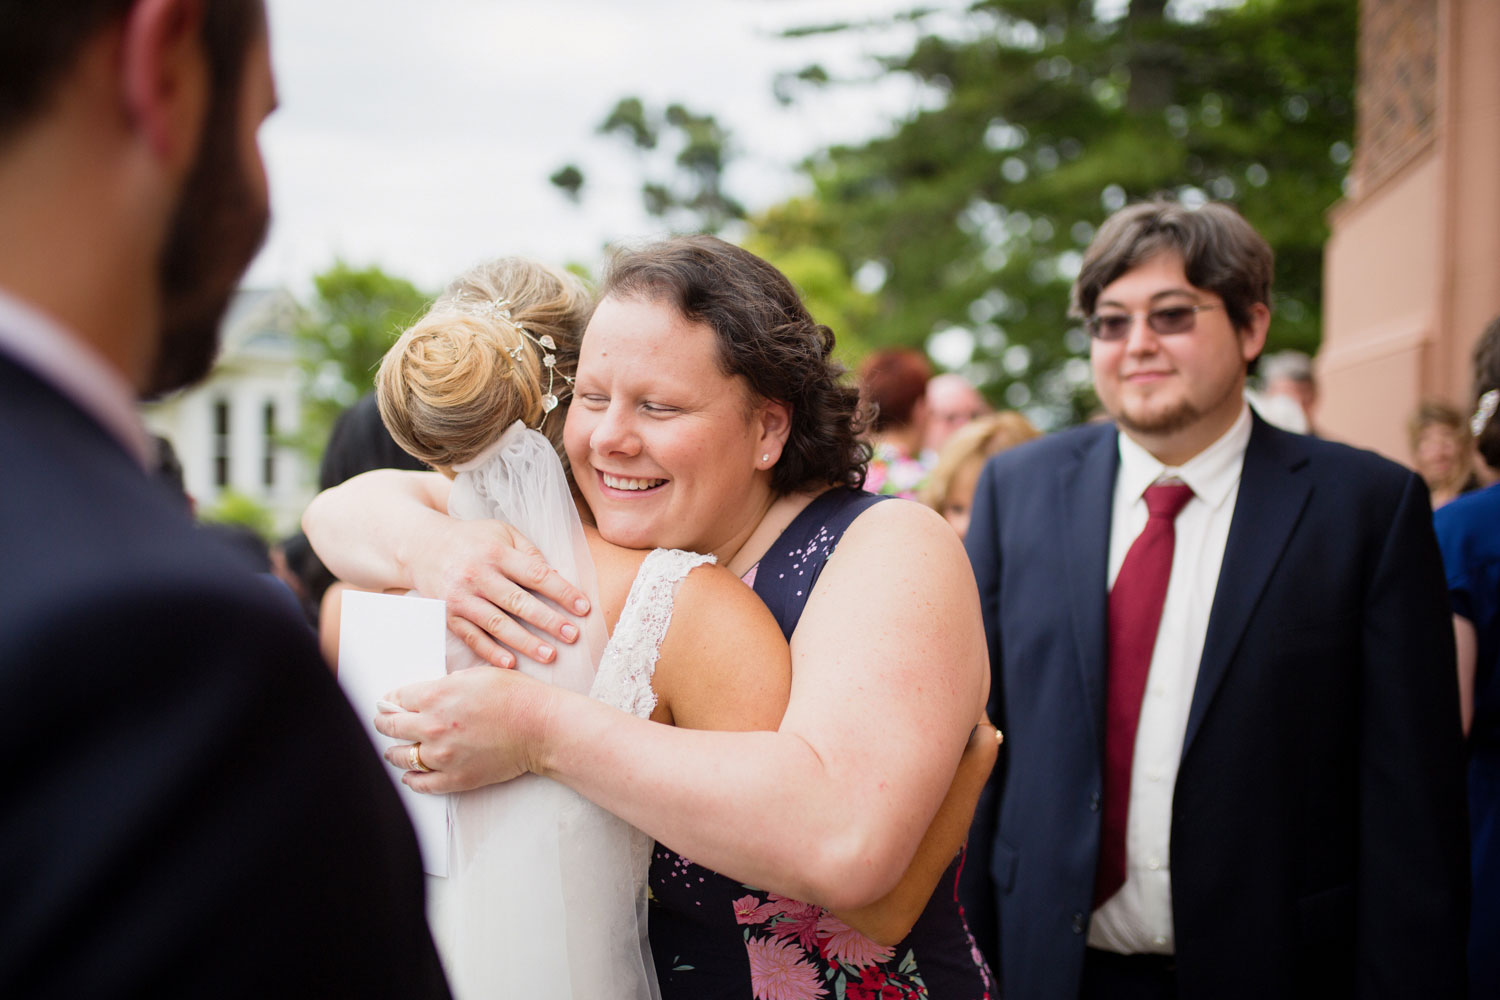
<point x="1135" y="604"/>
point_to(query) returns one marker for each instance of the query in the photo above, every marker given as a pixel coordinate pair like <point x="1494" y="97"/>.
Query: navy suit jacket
<point x="1318" y="843"/>
<point x="192" y="810"/>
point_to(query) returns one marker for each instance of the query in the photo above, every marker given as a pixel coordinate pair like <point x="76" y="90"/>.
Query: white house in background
<point x="227" y="429"/>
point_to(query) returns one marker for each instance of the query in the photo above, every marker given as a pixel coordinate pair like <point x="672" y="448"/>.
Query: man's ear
<point x="1253" y="336"/>
<point x="164" y="71"/>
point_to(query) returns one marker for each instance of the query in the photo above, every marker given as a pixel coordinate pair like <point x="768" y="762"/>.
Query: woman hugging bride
<point x="547" y="890"/>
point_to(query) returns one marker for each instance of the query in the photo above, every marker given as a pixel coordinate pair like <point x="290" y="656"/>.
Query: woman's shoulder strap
<point x="787" y="572"/>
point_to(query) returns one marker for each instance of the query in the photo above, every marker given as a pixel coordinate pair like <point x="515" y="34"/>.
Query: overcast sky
<point x="419" y="134"/>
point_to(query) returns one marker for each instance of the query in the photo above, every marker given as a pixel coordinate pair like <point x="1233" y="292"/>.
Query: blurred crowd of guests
<point x="930" y="434"/>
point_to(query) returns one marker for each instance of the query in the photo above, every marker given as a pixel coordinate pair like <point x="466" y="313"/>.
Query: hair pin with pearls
<point x="500" y="309"/>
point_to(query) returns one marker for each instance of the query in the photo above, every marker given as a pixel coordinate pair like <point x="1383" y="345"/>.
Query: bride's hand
<point x="488" y="574"/>
<point x="475" y="727"/>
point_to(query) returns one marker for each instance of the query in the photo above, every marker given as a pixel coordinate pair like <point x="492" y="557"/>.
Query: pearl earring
<point x="766" y="457"/>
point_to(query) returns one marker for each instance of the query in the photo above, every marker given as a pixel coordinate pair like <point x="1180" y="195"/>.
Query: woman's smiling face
<point x="666" y="449"/>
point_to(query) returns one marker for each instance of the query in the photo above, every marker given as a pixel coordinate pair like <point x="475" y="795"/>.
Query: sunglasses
<point x="1167" y="321"/>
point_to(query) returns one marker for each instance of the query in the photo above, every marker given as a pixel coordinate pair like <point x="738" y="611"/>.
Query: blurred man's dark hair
<point x="40" y="40"/>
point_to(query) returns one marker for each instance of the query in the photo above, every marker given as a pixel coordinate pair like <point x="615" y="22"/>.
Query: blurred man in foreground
<point x="199" y="813"/>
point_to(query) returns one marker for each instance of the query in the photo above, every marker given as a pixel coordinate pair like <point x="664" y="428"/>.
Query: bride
<point x="546" y="894"/>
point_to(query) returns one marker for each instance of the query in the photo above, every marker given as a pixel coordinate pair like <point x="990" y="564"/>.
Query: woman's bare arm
<point x="1467" y="642"/>
<point x="889" y="674"/>
<point x="358" y="527"/>
<point x="390" y="529"/>
<point x="725" y="665"/>
<point x="889" y="919"/>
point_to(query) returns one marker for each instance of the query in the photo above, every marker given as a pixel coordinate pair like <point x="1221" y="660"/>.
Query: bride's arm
<point x="358" y="527"/>
<point x="390" y="529"/>
<point x="724" y="664"/>
<point x="889" y="674"/>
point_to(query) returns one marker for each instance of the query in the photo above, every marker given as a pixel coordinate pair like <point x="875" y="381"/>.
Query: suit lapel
<point x="1271" y="498"/>
<point x="1086" y="490"/>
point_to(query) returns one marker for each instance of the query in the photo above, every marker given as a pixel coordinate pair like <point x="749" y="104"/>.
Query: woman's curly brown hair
<point x="767" y="337"/>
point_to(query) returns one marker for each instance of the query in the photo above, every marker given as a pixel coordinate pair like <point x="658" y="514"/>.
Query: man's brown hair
<point x="1220" y="252"/>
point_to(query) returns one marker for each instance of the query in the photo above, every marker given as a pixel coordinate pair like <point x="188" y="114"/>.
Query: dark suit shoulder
<point x="202" y="815"/>
<point x="74" y="537"/>
<point x="1044" y="453"/>
<point x="1334" y="454"/>
<point x="1338" y="469"/>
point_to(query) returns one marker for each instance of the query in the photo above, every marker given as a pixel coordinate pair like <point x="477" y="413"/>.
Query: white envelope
<point x="386" y="642"/>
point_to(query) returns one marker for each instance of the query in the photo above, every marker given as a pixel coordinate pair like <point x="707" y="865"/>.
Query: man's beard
<point x="1180" y="415"/>
<point x="217" y="229"/>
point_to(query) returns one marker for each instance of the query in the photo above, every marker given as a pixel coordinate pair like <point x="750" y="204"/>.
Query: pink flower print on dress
<point x="800" y="925"/>
<point x="749" y="910"/>
<point x="794" y="908"/>
<point x="875" y="985"/>
<point x="779" y="970"/>
<point x="848" y="946"/>
<point x="974" y="952"/>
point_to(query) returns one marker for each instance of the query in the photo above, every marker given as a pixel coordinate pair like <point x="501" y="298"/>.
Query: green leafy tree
<point x="689" y="194"/>
<point x="569" y="180"/>
<point x="356" y="315"/>
<point x="971" y="215"/>
<point x="695" y="199"/>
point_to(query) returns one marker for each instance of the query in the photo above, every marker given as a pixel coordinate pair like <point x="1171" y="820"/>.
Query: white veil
<point x="546" y="894"/>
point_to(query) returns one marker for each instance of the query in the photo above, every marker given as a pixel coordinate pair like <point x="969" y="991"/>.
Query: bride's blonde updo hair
<point x="465" y="372"/>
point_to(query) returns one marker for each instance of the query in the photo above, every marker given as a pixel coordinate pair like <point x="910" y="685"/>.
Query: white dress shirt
<point x="1138" y="918"/>
<point x="75" y="369"/>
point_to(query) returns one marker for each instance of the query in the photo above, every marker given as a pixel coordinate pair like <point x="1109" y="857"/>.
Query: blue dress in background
<point x="1468" y="531"/>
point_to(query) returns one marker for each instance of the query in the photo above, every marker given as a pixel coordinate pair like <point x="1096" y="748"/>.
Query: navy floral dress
<point x="715" y="939"/>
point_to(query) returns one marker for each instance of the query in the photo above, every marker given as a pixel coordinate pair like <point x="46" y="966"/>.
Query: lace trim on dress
<point x="629" y="661"/>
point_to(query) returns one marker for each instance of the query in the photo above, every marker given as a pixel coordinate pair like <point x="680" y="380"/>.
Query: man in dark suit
<point x="193" y="809"/>
<point x="1222" y="662"/>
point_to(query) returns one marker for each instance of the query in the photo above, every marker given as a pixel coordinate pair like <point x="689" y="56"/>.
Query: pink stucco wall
<point x="1380" y="294"/>
<point x="1412" y="268"/>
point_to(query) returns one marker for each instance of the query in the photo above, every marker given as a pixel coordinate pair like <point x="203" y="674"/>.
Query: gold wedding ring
<point x="414" y="759"/>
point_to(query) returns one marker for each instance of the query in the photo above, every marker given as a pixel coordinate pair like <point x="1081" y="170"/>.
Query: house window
<point x="221" y="443"/>
<point x="268" y="446"/>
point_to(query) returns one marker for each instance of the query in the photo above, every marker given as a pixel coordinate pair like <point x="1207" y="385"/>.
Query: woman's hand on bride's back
<point x="486" y="573"/>
<point x="474" y="726"/>
<point x="389" y="529"/>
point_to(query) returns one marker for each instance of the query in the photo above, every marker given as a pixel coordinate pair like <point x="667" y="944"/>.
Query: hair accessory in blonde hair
<point x="1486" y="409"/>
<point x="500" y="309"/>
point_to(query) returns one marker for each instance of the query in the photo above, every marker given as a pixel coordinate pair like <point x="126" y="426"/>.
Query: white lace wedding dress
<point x="546" y="894"/>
